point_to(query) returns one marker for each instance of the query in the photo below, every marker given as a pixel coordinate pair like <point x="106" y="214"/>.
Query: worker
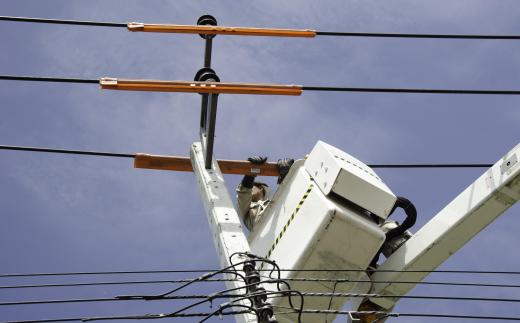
<point x="253" y="196"/>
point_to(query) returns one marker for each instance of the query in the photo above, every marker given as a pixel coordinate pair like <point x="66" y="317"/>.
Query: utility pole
<point x="228" y="235"/>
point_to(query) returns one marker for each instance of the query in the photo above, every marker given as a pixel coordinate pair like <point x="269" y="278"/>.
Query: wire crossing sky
<point x="319" y="33"/>
<point x="70" y="215"/>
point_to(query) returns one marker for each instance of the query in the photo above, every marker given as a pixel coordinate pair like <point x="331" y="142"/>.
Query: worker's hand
<point x="258" y="160"/>
<point x="284" y="165"/>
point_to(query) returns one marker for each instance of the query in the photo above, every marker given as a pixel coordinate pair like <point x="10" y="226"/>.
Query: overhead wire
<point x="63" y="22"/>
<point x="318" y="33"/>
<point x="173" y="281"/>
<point x="127" y="155"/>
<point x="160" y="316"/>
<point x="114" y="299"/>
<point x="48" y="79"/>
<point x="414" y="35"/>
<point x="409" y="90"/>
<point x="81" y="273"/>
<point x="399" y="314"/>
<point x="127" y="317"/>
<point x="225" y="294"/>
<point x="305" y="88"/>
<point x="67" y="151"/>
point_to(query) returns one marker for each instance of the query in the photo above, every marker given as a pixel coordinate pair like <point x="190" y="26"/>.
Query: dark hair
<point x="261" y="186"/>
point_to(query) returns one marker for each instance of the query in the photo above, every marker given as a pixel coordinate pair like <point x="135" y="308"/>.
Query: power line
<point x="48" y="79"/>
<point x="452" y="298"/>
<point x="111" y="154"/>
<point x="409" y="90"/>
<point x="408" y="35"/>
<point x="63" y="22"/>
<point x="113" y="283"/>
<point x="394" y="314"/>
<point x="309" y="311"/>
<point x="286" y="279"/>
<point x="430" y="165"/>
<point x="264" y="270"/>
<point x="227" y="295"/>
<point x="305" y="88"/>
<point x="97" y="300"/>
<point x="318" y="33"/>
<point x="401" y="282"/>
<point x="66" y="151"/>
<point x="133" y="317"/>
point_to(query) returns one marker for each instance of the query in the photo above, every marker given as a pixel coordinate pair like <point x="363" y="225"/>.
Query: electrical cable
<point x="409" y="90"/>
<point x="393" y="314"/>
<point x="452" y="298"/>
<point x="98" y="300"/>
<point x="222" y="294"/>
<point x="278" y="295"/>
<point x="305" y="88"/>
<point x="111" y="154"/>
<point x="207" y="298"/>
<point x="285" y="279"/>
<point x="283" y="270"/>
<point x="133" y="317"/>
<point x="409" y="35"/>
<point x="318" y="33"/>
<point x="403" y="282"/>
<point x="66" y="151"/>
<point x="221" y="308"/>
<point x="48" y="79"/>
<point x="226" y="270"/>
<point x="331" y="299"/>
<point x="190" y="282"/>
<point x="63" y="22"/>
<point x="430" y="165"/>
<point x="173" y="281"/>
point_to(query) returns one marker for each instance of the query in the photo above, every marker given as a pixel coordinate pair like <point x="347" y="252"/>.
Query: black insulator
<point x="208" y="76"/>
<point x="207" y="20"/>
<point x="249" y="267"/>
<point x="260" y="296"/>
<point x="265" y="312"/>
<point x="252" y="279"/>
<point x="203" y="71"/>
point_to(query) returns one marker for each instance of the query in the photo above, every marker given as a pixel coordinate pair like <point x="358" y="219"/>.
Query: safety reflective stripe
<point x="291" y="218"/>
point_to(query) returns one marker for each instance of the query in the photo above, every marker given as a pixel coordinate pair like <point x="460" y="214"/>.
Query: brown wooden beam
<point x="220" y="30"/>
<point x="108" y="83"/>
<point x="183" y="164"/>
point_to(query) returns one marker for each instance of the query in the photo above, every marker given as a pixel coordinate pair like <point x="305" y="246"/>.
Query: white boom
<point x="223" y="219"/>
<point x="470" y="212"/>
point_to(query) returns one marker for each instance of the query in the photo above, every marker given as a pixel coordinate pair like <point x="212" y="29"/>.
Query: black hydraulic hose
<point x="411" y="217"/>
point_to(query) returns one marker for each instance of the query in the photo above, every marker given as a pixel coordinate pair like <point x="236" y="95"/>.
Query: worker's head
<point x="259" y="192"/>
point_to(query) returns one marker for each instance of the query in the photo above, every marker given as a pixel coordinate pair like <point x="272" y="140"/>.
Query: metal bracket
<point x="508" y="164"/>
<point x="352" y="319"/>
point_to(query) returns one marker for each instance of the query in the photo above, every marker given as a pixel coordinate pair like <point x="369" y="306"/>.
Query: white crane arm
<point x="463" y="218"/>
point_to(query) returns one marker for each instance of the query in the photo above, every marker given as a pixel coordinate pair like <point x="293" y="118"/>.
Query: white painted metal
<point x="326" y="233"/>
<point x="336" y="171"/>
<point x="228" y="235"/>
<point x="463" y="218"/>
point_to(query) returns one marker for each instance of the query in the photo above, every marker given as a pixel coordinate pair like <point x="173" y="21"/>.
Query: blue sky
<point x="67" y="213"/>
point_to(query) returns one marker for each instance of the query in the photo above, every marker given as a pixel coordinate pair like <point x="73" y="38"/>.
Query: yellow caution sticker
<point x="291" y="218"/>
